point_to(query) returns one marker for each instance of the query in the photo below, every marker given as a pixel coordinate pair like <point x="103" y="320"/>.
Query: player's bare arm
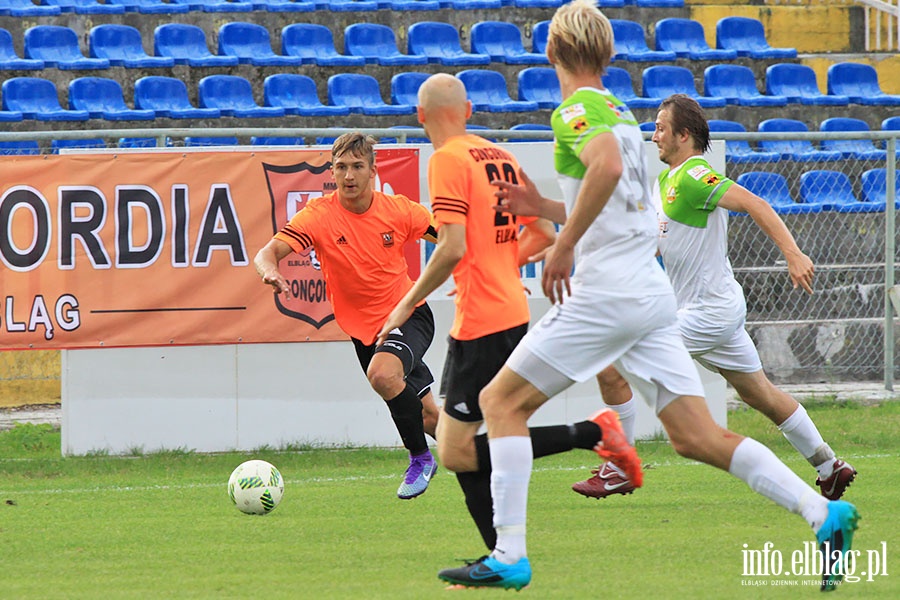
<point x="451" y="247"/>
<point x="266" y="263"/>
<point x="603" y="168"/>
<point x="534" y="239"/>
<point x="800" y="266"/>
<point x="524" y="199"/>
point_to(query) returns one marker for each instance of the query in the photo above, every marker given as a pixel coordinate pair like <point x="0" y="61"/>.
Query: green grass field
<point x="161" y="525"/>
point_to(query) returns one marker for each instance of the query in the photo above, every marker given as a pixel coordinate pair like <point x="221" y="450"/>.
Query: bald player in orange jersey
<point x="483" y="249"/>
<point x="365" y="278"/>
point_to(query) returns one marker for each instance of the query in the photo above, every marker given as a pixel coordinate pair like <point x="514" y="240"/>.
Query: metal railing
<point x="891" y="12"/>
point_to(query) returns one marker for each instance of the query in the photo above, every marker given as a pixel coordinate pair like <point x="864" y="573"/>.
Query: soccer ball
<point x="255" y="487"/>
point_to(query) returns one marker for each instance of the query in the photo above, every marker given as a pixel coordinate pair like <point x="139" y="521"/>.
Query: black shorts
<point x="409" y="346"/>
<point x="470" y="365"/>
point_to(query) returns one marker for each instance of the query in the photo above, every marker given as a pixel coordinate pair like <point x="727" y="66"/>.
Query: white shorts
<point x="590" y="331"/>
<point x="718" y="341"/>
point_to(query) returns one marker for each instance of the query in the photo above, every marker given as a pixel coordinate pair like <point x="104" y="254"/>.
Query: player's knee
<point x="386" y="382"/>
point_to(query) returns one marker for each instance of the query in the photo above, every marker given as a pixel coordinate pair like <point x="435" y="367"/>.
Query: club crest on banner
<point x="290" y="188"/>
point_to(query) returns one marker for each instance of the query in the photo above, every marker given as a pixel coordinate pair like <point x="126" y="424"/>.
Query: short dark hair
<point x="687" y="115"/>
<point x="355" y="144"/>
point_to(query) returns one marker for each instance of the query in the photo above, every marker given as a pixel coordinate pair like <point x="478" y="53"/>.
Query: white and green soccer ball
<point x="255" y="487"/>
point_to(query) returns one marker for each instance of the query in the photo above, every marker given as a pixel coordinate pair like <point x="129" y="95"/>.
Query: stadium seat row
<point x="740" y="151"/>
<point x="821" y="190"/>
<point x="304" y="43"/>
<point x="786" y="83"/>
<point x="27" y="8"/>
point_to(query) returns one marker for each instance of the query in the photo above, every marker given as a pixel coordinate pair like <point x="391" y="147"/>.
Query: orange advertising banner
<point x="150" y="249"/>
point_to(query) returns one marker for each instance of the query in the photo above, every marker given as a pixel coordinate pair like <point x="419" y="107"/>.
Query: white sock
<point x="765" y="474"/>
<point x="627" y="417"/>
<point x="511" y="460"/>
<point x="803" y="435"/>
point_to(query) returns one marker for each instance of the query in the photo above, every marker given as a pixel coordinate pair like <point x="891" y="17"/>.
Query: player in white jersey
<point x="692" y="201"/>
<point x="618" y="308"/>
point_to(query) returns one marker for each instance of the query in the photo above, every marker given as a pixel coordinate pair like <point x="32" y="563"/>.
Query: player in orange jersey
<point x="365" y="277"/>
<point x="483" y="249"/>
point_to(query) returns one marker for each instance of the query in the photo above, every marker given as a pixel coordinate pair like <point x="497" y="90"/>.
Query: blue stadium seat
<point x="20" y="148"/>
<point x="315" y="45"/>
<point x="57" y="145"/>
<point x="137" y="142"/>
<point x="503" y="43"/>
<point x="487" y="91"/>
<point x="539" y="36"/>
<point x="377" y="44"/>
<point x="685" y="37"/>
<point x="103" y="99"/>
<point x="737" y="84"/>
<point x="631" y="44"/>
<point x="661" y="81"/>
<point x="773" y="188"/>
<point x="293" y="6"/>
<point x="187" y="45"/>
<point x="195" y="141"/>
<point x="618" y="81"/>
<point x="233" y="96"/>
<point x="168" y="96"/>
<point x="537" y="3"/>
<point x="832" y="190"/>
<point x="475" y="4"/>
<point x="800" y="150"/>
<point x="860" y="83"/>
<point x="532" y="127"/>
<point x="405" y="88"/>
<point x="747" y="37"/>
<point x="859" y="149"/>
<point x="251" y="44"/>
<point x="362" y="94"/>
<point x="216" y="6"/>
<point x="58" y="47"/>
<point x="27" y="8"/>
<point x="649" y="126"/>
<point x="414" y="5"/>
<point x="740" y="151"/>
<point x="36" y="98"/>
<point x="258" y="140"/>
<point x="798" y="84"/>
<point x="352" y="5"/>
<point x="85" y="7"/>
<point x="891" y="124"/>
<point x="297" y="95"/>
<point x="541" y="85"/>
<point x="873" y="184"/>
<point x="122" y="46"/>
<point x="9" y="60"/>
<point x="439" y="42"/>
<point x="472" y="128"/>
<point x="151" y="7"/>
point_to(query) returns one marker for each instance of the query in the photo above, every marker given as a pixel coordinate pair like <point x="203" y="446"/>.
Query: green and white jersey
<point x="617" y="252"/>
<point x="693" y="235"/>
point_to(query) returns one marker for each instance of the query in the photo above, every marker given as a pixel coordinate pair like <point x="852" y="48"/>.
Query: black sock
<point x="476" y="487"/>
<point x="585" y="435"/>
<point x="406" y="411"/>
<point x="552" y="439"/>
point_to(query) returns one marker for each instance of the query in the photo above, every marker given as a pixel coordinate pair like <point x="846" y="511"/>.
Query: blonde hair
<point x="580" y="38"/>
<point x="354" y="144"/>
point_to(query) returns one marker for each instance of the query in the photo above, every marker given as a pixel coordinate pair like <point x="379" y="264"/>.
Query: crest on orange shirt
<point x="387" y="238"/>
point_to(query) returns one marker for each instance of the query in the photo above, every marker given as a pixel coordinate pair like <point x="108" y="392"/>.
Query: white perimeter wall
<point x="241" y="397"/>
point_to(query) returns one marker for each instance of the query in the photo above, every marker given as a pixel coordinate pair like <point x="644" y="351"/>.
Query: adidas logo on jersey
<point x="342" y="241"/>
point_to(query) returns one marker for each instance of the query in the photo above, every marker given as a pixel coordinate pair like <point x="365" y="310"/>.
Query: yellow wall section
<point x="811" y="28"/>
<point x="29" y="377"/>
